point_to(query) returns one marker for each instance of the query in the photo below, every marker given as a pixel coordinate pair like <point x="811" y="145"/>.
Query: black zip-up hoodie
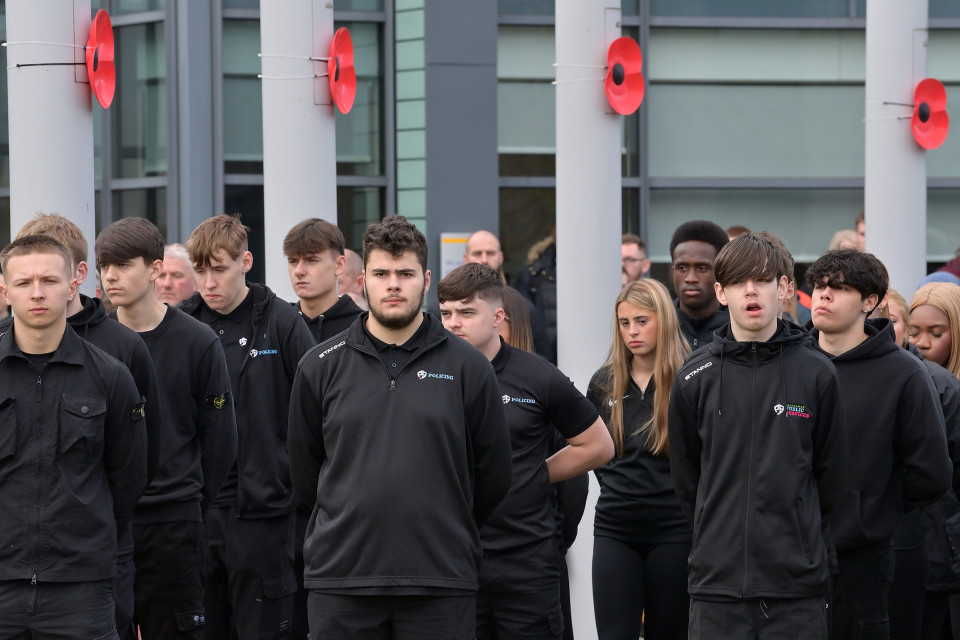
<point x="700" y="332"/>
<point x="278" y="340"/>
<point x="403" y="465"/>
<point x="757" y="457"/>
<point x="897" y="440"/>
<point x="334" y="320"/>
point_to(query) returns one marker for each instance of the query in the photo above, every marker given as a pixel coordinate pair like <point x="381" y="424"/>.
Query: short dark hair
<point x="632" y="238"/>
<point x="313" y="236"/>
<point x="787" y="256"/>
<point x="749" y="256"/>
<point x="856" y="269"/>
<point x="127" y="239"/>
<point x="472" y="280"/>
<point x="396" y="236"/>
<point x="700" y="231"/>
<point x="38" y="243"/>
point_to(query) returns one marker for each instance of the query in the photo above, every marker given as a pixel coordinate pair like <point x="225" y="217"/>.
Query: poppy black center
<point x="618" y="74"/>
<point x="924" y="112"/>
<point x="96" y="58"/>
<point x="336" y="69"/>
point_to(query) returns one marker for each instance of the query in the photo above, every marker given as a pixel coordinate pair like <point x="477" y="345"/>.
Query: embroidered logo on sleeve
<point x="217" y="401"/>
<point x="139" y="410"/>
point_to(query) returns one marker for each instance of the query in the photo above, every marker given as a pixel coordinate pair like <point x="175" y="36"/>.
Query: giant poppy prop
<point x="340" y="72"/>
<point x="624" y="82"/>
<point x="930" y="122"/>
<point x="100" y="66"/>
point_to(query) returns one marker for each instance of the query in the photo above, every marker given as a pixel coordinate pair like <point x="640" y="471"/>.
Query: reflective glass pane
<point x="541" y="7"/>
<point x="944" y="162"/>
<point x="242" y="98"/>
<point x="752" y="8"/>
<point x="4" y="126"/>
<point x="937" y="8"/>
<point x="943" y="224"/>
<point x="4" y="221"/>
<point x="142" y="203"/>
<point x="526" y="217"/>
<point x="241" y="4"/>
<point x="119" y="7"/>
<point x="755" y="130"/>
<point x="247" y="200"/>
<point x="139" y="110"/>
<point x="357" y="209"/>
<point x="804" y="219"/>
<point x="360" y="134"/>
<point x="631" y="211"/>
<point x="358" y="5"/>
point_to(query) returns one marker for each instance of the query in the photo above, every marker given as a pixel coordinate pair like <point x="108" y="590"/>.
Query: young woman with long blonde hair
<point x="641" y="536"/>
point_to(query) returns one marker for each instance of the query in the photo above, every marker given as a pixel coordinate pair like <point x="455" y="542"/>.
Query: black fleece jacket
<point x="334" y="320"/>
<point x="757" y="454"/>
<point x="700" y="331"/>
<point x="402" y="465"/>
<point x="895" y="432"/>
<point x="279" y="338"/>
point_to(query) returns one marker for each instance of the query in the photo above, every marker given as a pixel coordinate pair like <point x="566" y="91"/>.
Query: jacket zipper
<point x="753" y="425"/>
<point x="36" y="504"/>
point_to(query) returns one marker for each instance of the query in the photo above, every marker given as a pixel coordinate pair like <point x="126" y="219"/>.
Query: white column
<point x="51" y="124"/>
<point x="895" y="171"/>
<point x="299" y="143"/>
<point x="588" y="228"/>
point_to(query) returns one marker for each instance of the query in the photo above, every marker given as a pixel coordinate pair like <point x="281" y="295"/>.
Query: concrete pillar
<point x="588" y="227"/>
<point x="299" y="139"/>
<point x="895" y="171"/>
<point x="51" y="122"/>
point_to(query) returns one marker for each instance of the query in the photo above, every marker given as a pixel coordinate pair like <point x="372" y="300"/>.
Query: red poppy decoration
<point x="624" y="81"/>
<point x="341" y="74"/>
<point x="930" y="123"/>
<point x="100" y="67"/>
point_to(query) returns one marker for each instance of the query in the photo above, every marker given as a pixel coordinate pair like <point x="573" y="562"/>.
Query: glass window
<point x="5" y="125"/>
<point x="805" y="219"/>
<point x="944" y="162"/>
<point x="755" y="130"/>
<point x="242" y="98"/>
<point x="943" y="224"/>
<point x="4" y="221"/>
<point x="527" y="216"/>
<point x="242" y="4"/>
<point x="752" y="8"/>
<point x="360" y="133"/>
<point x="631" y="211"/>
<point x="120" y="7"/>
<point x="357" y="209"/>
<point x="540" y="7"/>
<point x="139" y="111"/>
<point x="937" y="8"/>
<point x="247" y="200"/>
<point x="358" y="5"/>
<point x="142" y="203"/>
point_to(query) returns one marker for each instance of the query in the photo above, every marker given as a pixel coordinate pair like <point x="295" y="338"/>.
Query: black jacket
<point x="279" y="340"/>
<point x="72" y="461"/>
<point x="757" y="456"/>
<point x="334" y="320"/>
<point x="700" y="332"/>
<point x="402" y="465"/>
<point x="897" y="444"/>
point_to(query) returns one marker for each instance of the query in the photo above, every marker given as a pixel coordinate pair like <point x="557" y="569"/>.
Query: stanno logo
<point x="423" y="375"/>
<point x="698" y="370"/>
<point x="778" y="409"/>
<point x="333" y="348"/>
<point x="797" y="411"/>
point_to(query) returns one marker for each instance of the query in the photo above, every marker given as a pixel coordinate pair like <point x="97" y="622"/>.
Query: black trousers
<point x="908" y="591"/>
<point x="57" y="610"/>
<point x="759" y="619"/>
<point x="346" y="617"/>
<point x="168" y="588"/>
<point x="859" y="608"/>
<point x="630" y="580"/>
<point x="519" y="593"/>
<point x="250" y="576"/>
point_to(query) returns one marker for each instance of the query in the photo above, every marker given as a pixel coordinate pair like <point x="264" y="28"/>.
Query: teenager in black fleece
<point x="251" y="579"/>
<point x="693" y="250"/>
<point x="895" y="432"/>
<point x="397" y="435"/>
<point x="89" y="319"/>
<point x="519" y="593"/>
<point x="641" y="535"/>
<point x="757" y="454"/>
<point x="73" y="449"/>
<point x="198" y="441"/>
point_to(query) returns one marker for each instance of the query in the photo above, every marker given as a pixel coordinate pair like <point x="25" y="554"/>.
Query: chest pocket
<point x="8" y="428"/>
<point x="81" y="427"/>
